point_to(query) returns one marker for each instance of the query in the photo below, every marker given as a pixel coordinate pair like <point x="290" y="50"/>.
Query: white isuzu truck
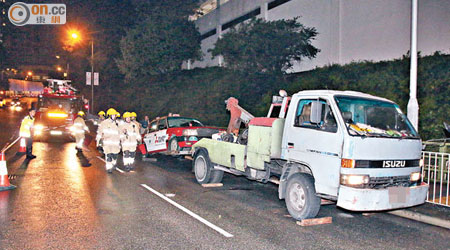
<point x="354" y="148"/>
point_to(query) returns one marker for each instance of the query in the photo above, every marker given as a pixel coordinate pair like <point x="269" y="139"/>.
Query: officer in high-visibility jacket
<point x="129" y="137"/>
<point x="25" y="132"/>
<point x="108" y="131"/>
<point x="79" y="128"/>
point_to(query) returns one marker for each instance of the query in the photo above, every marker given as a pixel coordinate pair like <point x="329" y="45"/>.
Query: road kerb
<point x="422" y="218"/>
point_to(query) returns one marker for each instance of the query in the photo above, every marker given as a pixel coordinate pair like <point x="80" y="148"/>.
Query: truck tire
<point x="301" y="200"/>
<point x="202" y="167"/>
<point x="216" y="176"/>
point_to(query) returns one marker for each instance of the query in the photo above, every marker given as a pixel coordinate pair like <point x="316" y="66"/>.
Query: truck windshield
<point x="375" y="118"/>
<point x="66" y="105"/>
<point x="183" y="122"/>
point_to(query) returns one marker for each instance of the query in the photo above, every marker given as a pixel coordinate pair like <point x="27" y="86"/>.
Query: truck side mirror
<point x="316" y="112"/>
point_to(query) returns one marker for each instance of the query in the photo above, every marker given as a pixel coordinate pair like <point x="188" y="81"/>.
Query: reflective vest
<point x="79" y="126"/>
<point x="129" y="136"/>
<point x="26" y="126"/>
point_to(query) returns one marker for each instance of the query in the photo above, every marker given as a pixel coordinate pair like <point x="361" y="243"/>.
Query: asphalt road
<point x="60" y="203"/>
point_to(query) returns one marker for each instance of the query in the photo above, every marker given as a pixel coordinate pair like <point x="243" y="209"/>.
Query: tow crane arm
<point x="237" y="115"/>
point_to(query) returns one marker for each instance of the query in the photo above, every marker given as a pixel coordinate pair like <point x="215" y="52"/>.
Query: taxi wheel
<point x="173" y="146"/>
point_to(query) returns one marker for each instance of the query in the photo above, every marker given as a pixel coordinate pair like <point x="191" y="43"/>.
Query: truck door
<point x="318" y="145"/>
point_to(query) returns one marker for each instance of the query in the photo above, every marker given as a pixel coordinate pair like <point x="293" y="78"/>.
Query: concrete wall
<point x="349" y="30"/>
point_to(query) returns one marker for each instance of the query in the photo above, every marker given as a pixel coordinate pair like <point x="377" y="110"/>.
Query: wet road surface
<point x="62" y="203"/>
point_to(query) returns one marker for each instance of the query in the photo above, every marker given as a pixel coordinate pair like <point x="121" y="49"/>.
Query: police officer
<point x="129" y="136"/>
<point x="108" y="131"/>
<point x="79" y="128"/>
<point x="25" y="131"/>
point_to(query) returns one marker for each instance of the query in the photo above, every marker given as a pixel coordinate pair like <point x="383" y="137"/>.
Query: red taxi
<point x="175" y="135"/>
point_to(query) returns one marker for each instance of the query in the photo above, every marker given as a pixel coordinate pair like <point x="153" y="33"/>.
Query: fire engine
<point x="57" y="107"/>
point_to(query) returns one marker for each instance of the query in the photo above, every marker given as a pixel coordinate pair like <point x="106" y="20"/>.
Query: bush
<point x="201" y="93"/>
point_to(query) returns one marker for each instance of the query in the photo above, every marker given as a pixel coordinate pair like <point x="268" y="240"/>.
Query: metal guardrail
<point x="436" y="172"/>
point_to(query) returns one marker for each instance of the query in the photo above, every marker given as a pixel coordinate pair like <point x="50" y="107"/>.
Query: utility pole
<point x="413" y="105"/>
<point x="92" y="77"/>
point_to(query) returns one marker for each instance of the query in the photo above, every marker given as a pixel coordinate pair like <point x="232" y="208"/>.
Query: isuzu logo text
<point x="394" y="164"/>
<point x="22" y="14"/>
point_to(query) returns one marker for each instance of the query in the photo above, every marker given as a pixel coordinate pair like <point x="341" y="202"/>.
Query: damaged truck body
<point x="356" y="149"/>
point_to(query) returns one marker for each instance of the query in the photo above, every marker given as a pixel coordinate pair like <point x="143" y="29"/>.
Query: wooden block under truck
<point x="356" y="149"/>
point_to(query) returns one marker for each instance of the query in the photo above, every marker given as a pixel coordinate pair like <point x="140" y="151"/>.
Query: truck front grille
<point x="391" y="181"/>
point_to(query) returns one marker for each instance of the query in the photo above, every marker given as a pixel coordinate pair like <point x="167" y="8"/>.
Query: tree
<point x="266" y="46"/>
<point x="158" y="45"/>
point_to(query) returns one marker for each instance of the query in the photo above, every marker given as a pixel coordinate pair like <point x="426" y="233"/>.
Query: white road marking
<point x="194" y="215"/>
<point x="118" y="169"/>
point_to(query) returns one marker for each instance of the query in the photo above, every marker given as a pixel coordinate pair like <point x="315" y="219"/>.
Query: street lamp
<point x="75" y="37"/>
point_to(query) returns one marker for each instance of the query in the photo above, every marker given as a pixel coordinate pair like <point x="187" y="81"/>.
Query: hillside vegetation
<point x="201" y="93"/>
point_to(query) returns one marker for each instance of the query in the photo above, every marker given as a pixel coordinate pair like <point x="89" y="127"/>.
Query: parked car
<point x="175" y="135"/>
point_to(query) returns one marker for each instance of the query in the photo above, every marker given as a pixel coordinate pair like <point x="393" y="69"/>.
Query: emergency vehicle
<point x="57" y="107"/>
<point x="175" y="135"/>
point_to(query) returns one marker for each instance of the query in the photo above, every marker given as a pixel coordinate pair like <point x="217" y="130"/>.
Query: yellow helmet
<point x="81" y="113"/>
<point x="111" y="111"/>
<point x="101" y="113"/>
<point x="133" y="114"/>
<point x="127" y="114"/>
<point x="118" y="114"/>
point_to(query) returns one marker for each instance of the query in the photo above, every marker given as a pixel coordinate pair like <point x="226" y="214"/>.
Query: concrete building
<point x="349" y="30"/>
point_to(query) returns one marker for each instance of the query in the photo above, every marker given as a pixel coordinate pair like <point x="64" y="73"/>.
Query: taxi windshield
<point x="183" y="122"/>
<point x="374" y="118"/>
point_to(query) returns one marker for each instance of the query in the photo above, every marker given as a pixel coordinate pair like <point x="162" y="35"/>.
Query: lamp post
<point x="75" y="37"/>
<point x="92" y="76"/>
<point x="413" y="105"/>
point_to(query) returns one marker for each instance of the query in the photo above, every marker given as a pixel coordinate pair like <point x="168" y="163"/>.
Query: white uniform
<point x="108" y="132"/>
<point x="129" y="137"/>
<point x="79" y="128"/>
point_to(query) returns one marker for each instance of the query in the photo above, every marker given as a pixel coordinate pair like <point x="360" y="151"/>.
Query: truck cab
<point x="353" y="148"/>
<point x="361" y="150"/>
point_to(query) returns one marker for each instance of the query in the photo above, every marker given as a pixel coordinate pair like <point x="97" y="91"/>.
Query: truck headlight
<point x="354" y="180"/>
<point x="414" y="176"/>
<point x="190" y="132"/>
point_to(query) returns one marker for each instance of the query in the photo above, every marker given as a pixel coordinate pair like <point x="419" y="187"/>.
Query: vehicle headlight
<point x="414" y="176"/>
<point x="18" y="108"/>
<point x="38" y="127"/>
<point x="190" y="132"/>
<point x="354" y="180"/>
<point x="57" y="115"/>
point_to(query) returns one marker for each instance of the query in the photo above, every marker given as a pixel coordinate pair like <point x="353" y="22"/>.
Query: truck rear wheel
<point x="202" y="167"/>
<point x="216" y="176"/>
<point x="301" y="200"/>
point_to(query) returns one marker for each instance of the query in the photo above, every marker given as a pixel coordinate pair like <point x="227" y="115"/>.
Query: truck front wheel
<point x="301" y="200"/>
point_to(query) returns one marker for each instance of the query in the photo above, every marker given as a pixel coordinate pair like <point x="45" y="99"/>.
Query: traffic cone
<point x="23" y="146"/>
<point x="4" y="181"/>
